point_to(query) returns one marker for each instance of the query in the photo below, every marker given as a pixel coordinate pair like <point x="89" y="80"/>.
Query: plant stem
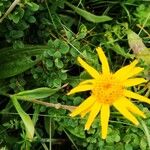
<point x="145" y="130"/>
<point x="12" y="6"/>
<point x="57" y="106"/>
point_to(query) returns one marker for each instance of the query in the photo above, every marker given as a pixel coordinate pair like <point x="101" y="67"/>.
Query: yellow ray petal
<point x="83" y="106"/>
<point x="103" y="59"/>
<point x="90" y="81"/>
<point x="83" y="113"/>
<point x="105" y="114"/>
<point x="94" y="111"/>
<point x="131" y="107"/>
<point x="89" y="69"/>
<point x="133" y="82"/>
<point x="121" y="108"/>
<point x="141" y="98"/>
<point x="125" y="70"/>
<point x="133" y="72"/>
<point x="80" y="88"/>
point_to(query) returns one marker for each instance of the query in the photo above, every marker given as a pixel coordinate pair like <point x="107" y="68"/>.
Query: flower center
<point x="107" y="90"/>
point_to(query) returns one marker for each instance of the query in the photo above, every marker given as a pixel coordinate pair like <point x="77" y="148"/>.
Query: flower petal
<point x="120" y="107"/>
<point x="131" y="107"/>
<point x="94" y="111"/>
<point x="80" y="88"/>
<point x="94" y="73"/>
<point x="83" y="113"/>
<point x="133" y="82"/>
<point x="105" y="114"/>
<point x="141" y="98"/>
<point x="89" y="81"/>
<point x="133" y="72"/>
<point x="103" y="59"/>
<point x="83" y="106"/>
<point x="121" y="73"/>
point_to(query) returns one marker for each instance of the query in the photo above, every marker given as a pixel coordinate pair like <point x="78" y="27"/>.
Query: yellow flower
<point x="109" y="89"/>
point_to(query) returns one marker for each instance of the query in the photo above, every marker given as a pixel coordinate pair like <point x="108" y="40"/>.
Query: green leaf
<point x="49" y="123"/>
<point x="64" y="48"/>
<point x="128" y="147"/>
<point x="29" y="126"/>
<point x="16" y="61"/>
<point x="62" y="75"/>
<point x="16" y="34"/>
<point x="82" y="32"/>
<point x="49" y="63"/>
<point x="60" y="46"/>
<point x="58" y="63"/>
<point x="31" y="19"/>
<point x="57" y="82"/>
<point x="17" y="15"/>
<point x="18" y="44"/>
<point x="142" y="14"/>
<point x="78" y="132"/>
<point x="36" y="93"/>
<point x="144" y="55"/>
<point x="143" y="144"/>
<point x="138" y="47"/>
<point x="88" y="16"/>
<point x="33" y="6"/>
<point x="135" y="42"/>
<point x="51" y="51"/>
<point x="57" y="54"/>
<point x="120" y="50"/>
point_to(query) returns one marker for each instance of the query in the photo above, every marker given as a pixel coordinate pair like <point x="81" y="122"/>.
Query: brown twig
<point x="57" y="106"/>
<point x="9" y="10"/>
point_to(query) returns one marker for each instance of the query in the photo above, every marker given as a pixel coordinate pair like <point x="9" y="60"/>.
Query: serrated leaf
<point x="16" y="61"/>
<point x="29" y="126"/>
<point x="88" y="16"/>
<point x="142" y="13"/>
<point x="36" y="93"/>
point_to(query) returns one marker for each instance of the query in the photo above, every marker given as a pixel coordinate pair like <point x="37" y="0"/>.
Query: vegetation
<point x="40" y="41"/>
